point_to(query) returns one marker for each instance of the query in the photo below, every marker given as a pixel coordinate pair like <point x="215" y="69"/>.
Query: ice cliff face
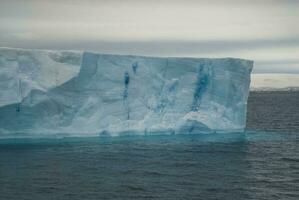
<point x="44" y="93"/>
<point x="24" y="70"/>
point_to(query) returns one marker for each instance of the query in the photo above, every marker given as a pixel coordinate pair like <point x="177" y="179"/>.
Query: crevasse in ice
<point x="68" y="93"/>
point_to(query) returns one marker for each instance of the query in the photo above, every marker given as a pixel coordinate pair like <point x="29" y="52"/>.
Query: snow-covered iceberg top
<point x="67" y="93"/>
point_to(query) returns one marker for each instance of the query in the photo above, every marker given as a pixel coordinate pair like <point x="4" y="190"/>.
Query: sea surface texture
<point x="249" y="165"/>
<point x="273" y="111"/>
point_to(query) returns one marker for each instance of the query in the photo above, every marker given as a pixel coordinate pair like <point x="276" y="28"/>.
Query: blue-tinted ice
<point x="51" y="93"/>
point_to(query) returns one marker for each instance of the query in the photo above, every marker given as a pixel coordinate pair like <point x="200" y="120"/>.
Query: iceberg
<point x="72" y="93"/>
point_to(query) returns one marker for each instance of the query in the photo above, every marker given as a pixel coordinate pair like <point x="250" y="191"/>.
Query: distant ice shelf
<point x="274" y="82"/>
<point x="69" y="93"/>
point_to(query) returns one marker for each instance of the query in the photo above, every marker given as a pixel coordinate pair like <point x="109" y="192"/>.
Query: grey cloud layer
<point x="264" y="30"/>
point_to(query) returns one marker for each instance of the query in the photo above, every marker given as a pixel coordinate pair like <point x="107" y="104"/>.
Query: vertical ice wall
<point x="115" y="94"/>
<point x="24" y="70"/>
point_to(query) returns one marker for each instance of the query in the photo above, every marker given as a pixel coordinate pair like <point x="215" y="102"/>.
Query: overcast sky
<point x="266" y="31"/>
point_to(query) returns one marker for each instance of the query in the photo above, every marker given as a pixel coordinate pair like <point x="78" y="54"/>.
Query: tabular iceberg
<point x="66" y="93"/>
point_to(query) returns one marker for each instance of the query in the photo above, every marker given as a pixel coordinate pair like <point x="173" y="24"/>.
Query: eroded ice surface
<point x="44" y="93"/>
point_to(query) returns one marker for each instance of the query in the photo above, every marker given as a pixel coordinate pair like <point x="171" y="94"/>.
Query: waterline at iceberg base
<point x="68" y="93"/>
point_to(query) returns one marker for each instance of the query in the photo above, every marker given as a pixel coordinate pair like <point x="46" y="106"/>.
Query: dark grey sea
<point x="261" y="163"/>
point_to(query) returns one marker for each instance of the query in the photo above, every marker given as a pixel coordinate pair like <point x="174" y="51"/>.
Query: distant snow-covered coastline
<point x="265" y="89"/>
<point x="274" y="82"/>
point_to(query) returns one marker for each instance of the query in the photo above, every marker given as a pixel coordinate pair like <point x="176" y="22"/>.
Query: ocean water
<point x="256" y="164"/>
<point x="273" y="111"/>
